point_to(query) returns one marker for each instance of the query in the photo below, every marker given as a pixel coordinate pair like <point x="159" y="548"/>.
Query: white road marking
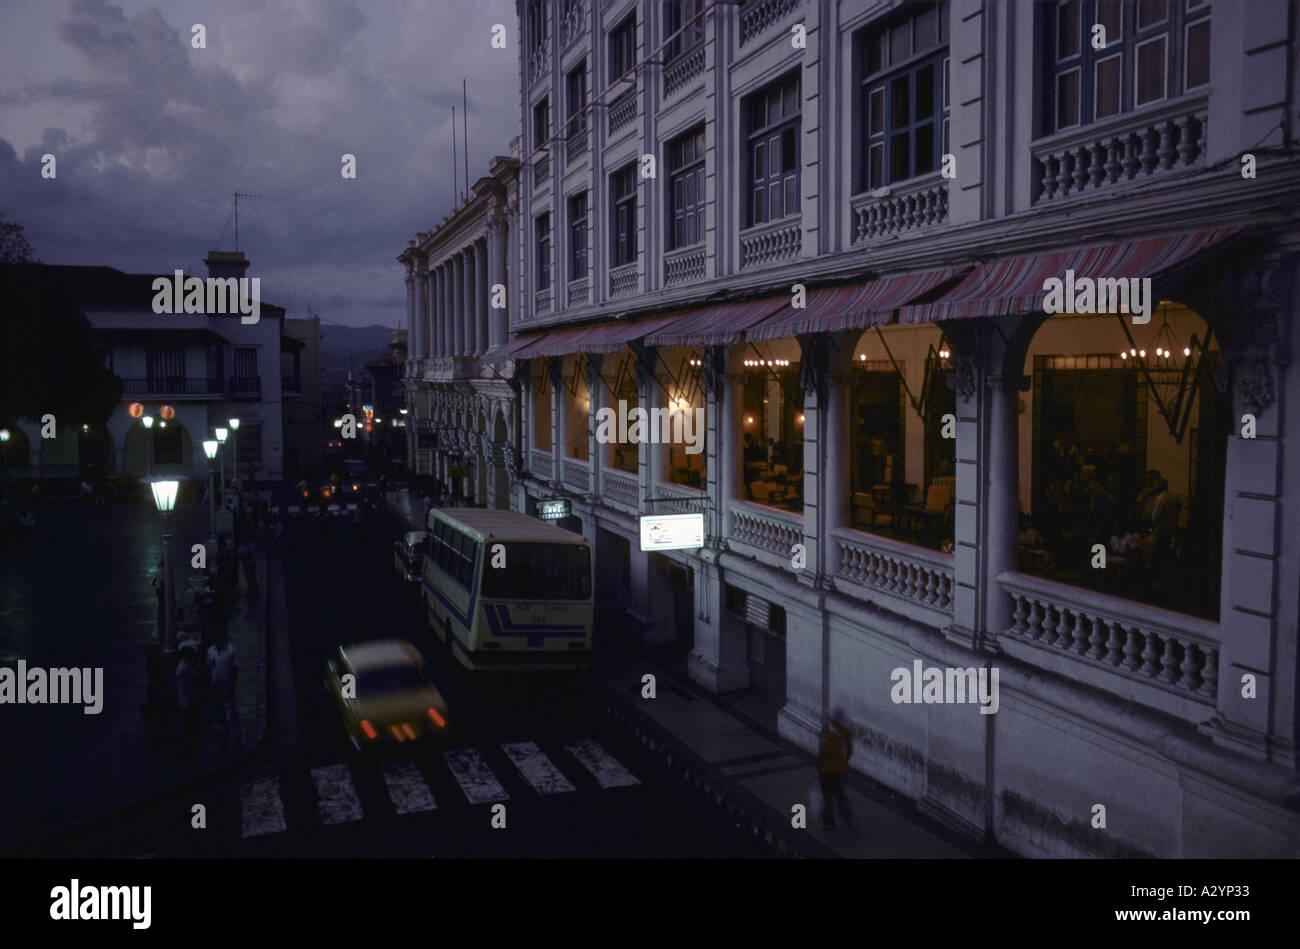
<point x="260" y="809"/>
<point x="406" y="788"/>
<point x="536" y="768"/>
<point x="474" y="777"/>
<point x="336" y="797"/>
<point x="607" y="771"/>
<point x="292" y="509"/>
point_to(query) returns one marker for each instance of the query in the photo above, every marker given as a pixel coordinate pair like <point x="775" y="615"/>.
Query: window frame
<point x="622" y="39"/>
<point x="623" y="241"/>
<point x="579" y="209"/>
<point x="692" y="171"/>
<point x="762" y="137"/>
<point x="542" y="251"/>
<point x="543" y="134"/>
<point x="676" y="13"/>
<point x="575" y="80"/>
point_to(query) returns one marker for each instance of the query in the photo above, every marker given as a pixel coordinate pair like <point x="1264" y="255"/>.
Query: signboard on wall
<point x="672" y="531"/>
<point x="554" y="509"/>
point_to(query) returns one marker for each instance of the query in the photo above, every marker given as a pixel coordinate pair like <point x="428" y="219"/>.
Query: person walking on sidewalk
<point x="832" y="761"/>
<point x="247" y="555"/>
<point x="223" y="673"/>
<point x="187" y="697"/>
<point x="160" y="591"/>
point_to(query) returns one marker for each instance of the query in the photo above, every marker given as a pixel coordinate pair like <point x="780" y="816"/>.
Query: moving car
<point x="408" y="557"/>
<point x="382" y="695"/>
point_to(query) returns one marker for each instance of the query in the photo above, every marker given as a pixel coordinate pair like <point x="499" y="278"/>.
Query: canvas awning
<point x="718" y="325"/>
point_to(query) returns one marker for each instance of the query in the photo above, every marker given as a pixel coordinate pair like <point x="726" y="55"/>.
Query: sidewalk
<point x="63" y="768"/>
<point x="727" y="747"/>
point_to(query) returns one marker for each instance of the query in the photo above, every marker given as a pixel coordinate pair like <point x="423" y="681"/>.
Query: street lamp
<point x="210" y="449"/>
<point x="4" y="444"/>
<point x="222" y="434"/>
<point x="164" y="497"/>
<point x="234" y="467"/>
<point x="148" y="444"/>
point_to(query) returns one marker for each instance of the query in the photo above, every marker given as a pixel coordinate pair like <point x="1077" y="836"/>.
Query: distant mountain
<point x="347" y="347"/>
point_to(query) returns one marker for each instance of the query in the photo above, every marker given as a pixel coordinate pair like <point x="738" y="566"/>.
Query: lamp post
<point x="164" y="497"/>
<point x="234" y="440"/>
<point x="222" y="434"/>
<point x="210" y="449"/>
<point x="4" y="447"/>
<point x="148" y="445"/>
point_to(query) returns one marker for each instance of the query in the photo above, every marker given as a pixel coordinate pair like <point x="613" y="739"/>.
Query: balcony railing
<point x="684" y="266"/>
<point x="541" y="464"/>
<point x="1129" y="147"/>
<point x="1144" y="654"/>
<point x="621" y="490"/>
<point x="541" y="169"/>
<point x="906" y="579"/>
<point x="622" y="280"/>
<point x="771" y="243"/>
<point x="578" y="141"/>
<point x="766" y="529"/>
<point x="577" y="292"/>
<point x="679" y="73"/>
<point x="577" y="475"/>
<point x="755" y="18"/>
<point x="542" y="302"/>
<point x="917" y="203"/>
<point x="622" y="111"/>
<point x="172" y="386"/>
<point x="245" y="386"/>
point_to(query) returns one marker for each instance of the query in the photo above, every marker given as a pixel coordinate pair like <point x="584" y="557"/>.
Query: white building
<point x="831" y="226"/>
<point x="462" y="425"/>
<point x="207" y="368"/>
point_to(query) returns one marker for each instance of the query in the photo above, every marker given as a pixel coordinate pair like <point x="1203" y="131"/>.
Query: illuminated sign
<point x="554" y="509"/>
<point x="672" y="531"/>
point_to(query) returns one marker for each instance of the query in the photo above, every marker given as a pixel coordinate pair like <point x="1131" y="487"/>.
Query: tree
<point x="48" y="358"/>
<point x="14" y="248"/>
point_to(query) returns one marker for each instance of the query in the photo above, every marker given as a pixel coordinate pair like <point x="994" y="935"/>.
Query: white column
<point x="444" y="309"/>
<point x="458" y="302"/>
<point x="421" y="306"/>
<point x="471" y="300"/>
<point x="481" y="296"/>
<point x="496" y="244"/>
<point x="431" y="306"/>
<point x="410" y="317"/>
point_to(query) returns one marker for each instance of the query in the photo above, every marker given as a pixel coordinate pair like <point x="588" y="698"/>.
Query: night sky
<point x="151" y="136"/>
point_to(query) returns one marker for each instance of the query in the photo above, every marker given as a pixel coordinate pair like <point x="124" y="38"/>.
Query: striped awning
<point x="718" y="325"/>
<point x="514" y="349"/>
<point x="598" y="338"/>
<point x="852" y="306"/>
<point x="1015" y="285"/>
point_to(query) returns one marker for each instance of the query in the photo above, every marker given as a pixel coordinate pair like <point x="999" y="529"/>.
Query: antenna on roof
<point x="237" y="195"/>
<point x="455" y="164"/>
<point x="464" y="118"/>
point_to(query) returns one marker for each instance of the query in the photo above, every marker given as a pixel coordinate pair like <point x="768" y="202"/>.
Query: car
<point x="355" y="468"/>
<point x="408" y="555"/>
<point x="382" y="695"/>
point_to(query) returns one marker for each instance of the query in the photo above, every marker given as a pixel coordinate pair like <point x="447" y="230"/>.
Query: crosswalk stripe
<point x="406" y="788"/>
<point x="607" y="772"/>
<point x="474" y="777"/>
<point x="536" y="768"/>
<point x="336" y="798"/>
<point x="260" y="809"/>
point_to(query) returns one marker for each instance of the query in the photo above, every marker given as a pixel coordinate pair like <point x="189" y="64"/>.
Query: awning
<point x="513" y="349"/>
<point x="598" y="338"/>
<point x="718" y="325"/>
<point x="852" y="306"/>
<point x="1015" y="285"/>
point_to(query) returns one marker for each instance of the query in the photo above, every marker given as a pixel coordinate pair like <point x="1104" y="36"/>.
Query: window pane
<point x="759" y="210"/>
<point x="927" y="29"/>
<point x="900" y="110"/>
<point x="875" y="170"/>
<point x="900" y="164"/>
<point x="876" y="110"/>
<point x="924" y="92"/>
<point x="925" y="157"/>
<point x="1108" y="15"/>
<point x="788" y="149"/>
<point x="1151" y="71"/>
<point x="1151" y="12"/>
<point x="1067" y="29"/>
<point x="1198" y="54"/>
<point x="875" y="53"/>
<point x="690" y="190"/>
<point x="945" y="81"/>
<point x="760" y="161"/>
<point x="791" y="194"/>
<point x="790" y="100"/>
<point x="774" y="154"/>
<point x="774" y="107"/>
<point x="1067" y="99"/>
<point x="900" y="42"/>
<point x="774" y="208"/>
<point x="1107" y="91"/>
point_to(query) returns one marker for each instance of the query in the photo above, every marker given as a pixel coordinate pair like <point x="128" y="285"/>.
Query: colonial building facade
<point x="834" y="227"/>
<point x="461" y="423"/>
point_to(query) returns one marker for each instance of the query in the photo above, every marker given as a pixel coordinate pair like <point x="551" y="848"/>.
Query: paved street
<point x="573" y="781"/>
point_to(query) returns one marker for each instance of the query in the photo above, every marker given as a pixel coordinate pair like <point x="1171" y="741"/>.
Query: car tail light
<point x="410" y="732"/>
<point x="368" y="729"/>
<point x="396" y="733"/>
<point x="437" y="719"/>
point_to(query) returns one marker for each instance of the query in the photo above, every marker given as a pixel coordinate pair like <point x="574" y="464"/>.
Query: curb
<point x="34" y="847"/>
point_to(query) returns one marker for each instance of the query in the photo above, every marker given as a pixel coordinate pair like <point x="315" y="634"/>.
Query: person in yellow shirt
<point x="836" y="748"/>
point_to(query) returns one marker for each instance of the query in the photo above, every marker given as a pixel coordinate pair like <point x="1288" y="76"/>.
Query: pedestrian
<point x="223" y="673"/>
<point x="427" y="505"/>
<point x="187" y="697"/>
<point x="832" y="761"/>
<point x="247" y="556"/>
<point x="86" y="492"/>
<point x="160" y="591"/>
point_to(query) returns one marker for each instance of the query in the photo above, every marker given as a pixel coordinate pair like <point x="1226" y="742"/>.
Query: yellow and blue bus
<point x="505" y="591"/>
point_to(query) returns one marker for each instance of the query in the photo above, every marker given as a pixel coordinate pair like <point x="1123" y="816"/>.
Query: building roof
<point x="512" y="525"/>
<point x="156" y="334"/>
<point x="95" y="286"/>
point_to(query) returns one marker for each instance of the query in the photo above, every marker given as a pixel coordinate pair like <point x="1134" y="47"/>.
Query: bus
<point x="505" y="591"/>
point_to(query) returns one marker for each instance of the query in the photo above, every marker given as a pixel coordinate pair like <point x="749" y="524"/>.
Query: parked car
<point x="408" y="555"/>
<point x="382" y="695"/>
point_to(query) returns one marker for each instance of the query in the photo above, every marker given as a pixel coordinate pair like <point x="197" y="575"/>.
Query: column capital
<point x="1254" y="338"/>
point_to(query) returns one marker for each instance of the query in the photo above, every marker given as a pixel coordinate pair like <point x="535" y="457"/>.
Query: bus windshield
<point x="540" y="572"/>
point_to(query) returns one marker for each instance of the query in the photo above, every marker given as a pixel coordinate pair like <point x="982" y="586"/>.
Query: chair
<point x="760" y="490"/>
<point x="866" y="512"/>
<point x="935" y="511"/>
